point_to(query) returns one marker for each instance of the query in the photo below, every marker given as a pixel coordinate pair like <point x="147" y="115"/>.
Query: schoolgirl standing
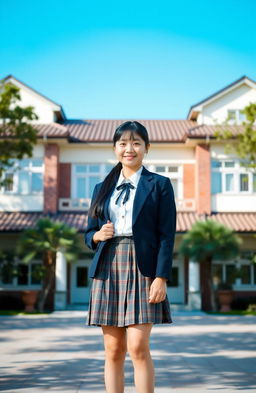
<point x="131" y="225"/>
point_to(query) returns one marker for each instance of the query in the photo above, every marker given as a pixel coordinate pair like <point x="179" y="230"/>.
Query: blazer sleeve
<point x="92" y="224"/>
<point x="166" y="226"/>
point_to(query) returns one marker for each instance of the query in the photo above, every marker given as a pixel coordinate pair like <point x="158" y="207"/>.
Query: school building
<point x="71" y="156"/>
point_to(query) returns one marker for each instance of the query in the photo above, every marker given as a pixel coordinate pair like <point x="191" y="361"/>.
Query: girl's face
<point x="130" y="152"/>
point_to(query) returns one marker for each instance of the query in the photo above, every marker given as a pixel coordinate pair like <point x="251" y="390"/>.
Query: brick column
<point x="65" y="180"/>
<point x="203" y="179"/>
<point x="51" y="177"/>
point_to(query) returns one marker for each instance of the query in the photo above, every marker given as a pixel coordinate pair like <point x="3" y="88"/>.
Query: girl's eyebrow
<point x="135" y="139"/>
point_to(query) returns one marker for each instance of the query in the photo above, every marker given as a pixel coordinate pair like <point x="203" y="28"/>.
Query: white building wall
<point x="43" y="107"/>
<point x="217" y="111"/>
<point x="105" y="154"/>
<point x="230" y="202"/>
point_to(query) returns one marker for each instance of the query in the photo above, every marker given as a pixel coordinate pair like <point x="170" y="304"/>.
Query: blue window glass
<point x="81" y="187"/>
<point x="23" y="187"/>
<point x="215" y="164"/>
<point x="93" y="180"/>
<point x="37" y="182"/>
<point x="229" y="182"/>
<point x="216" y="186"/>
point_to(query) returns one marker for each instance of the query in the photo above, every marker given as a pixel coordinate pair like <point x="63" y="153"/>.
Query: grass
<point x="20" y="312"/>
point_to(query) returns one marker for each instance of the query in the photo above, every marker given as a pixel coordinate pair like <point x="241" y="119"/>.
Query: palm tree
<point x="44" y="241"/>
<point x="206" y="241"/>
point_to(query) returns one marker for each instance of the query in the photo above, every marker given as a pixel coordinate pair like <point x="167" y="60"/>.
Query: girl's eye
<point x="136" y="143"/>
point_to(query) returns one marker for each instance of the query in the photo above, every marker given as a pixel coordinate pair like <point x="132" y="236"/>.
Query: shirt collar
<point x="134" y="179"/>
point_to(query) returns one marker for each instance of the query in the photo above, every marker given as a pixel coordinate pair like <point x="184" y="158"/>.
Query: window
<point x="86" y="176"/>
<point x="231" y="116"/>
<point x="26" y="176"/>
<point x="9" y="185"/>
<point x="246" y="274"/>
<point x="229" y="176"/>
<point x="229" y="182"/>
<point x="28" y="274"/>
<point x="254" y="182"/>
<point x="217" y="273"/>
<point x="174" y="280"/>
<point x="241" y="116"/>
<point x="216" y="183"/>
<point x="240" y="273"/>
<point x="174" y="172"/>
<point x="230" y="273"/>
<point x="22" y="274"/>
<point x="81" y="276"/>
<point x="235" y="116"/>
<point x="244" y="182"/>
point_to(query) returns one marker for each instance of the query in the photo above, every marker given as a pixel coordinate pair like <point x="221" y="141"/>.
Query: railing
<point x="69" y="204"/>
<point x="186" y="205"/>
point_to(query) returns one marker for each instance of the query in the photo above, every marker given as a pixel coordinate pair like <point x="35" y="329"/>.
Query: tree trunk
<point x="207" y="289"/>
<point x="48" y="280"/>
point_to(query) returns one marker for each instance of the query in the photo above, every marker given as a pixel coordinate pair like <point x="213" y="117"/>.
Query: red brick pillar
<point x="51" y="177"/>
<point x="203" y="179"/>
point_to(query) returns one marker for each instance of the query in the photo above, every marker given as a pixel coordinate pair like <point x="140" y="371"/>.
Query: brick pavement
<point x="59" y="353"/>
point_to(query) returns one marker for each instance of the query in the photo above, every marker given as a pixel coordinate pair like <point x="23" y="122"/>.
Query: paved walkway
<point x="58" y="353"/>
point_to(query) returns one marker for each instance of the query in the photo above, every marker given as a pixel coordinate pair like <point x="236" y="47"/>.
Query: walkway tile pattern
<point x="59" y="353"/>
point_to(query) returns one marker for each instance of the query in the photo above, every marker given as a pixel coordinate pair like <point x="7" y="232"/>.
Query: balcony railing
<point x="69" y="204"/>
<point x="186" y="205"/>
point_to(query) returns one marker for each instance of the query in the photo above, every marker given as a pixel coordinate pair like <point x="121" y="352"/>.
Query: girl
<point x="131" y="225"/>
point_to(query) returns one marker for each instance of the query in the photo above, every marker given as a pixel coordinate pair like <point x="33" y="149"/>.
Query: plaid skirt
<point x="119" y="292"/>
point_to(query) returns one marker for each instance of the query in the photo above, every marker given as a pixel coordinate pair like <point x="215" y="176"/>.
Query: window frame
<point x="237" y="170"/>
<point x="171" y="175"/>
<point x="14" y="284"/>
<point x="103" y="171"/>
<point x="15" y="172"/>
<point x="237" y="120"/>
<point x="242" y="261"/>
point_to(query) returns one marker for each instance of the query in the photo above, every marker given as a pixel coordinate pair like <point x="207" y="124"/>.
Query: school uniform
<point x="143" y="213"/>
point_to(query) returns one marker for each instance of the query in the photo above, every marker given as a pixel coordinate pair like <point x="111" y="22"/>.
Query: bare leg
<point x="115" y="351"/>
<point x="138" y="348"/>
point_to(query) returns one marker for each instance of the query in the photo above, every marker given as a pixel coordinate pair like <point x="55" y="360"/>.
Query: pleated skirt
<point x="119" y="293"/>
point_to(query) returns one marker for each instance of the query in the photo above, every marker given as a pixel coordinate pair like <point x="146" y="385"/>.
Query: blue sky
<point x="133" y="60"/>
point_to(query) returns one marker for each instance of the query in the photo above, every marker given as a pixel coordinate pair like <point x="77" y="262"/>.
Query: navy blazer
<point x="153" y="225"/>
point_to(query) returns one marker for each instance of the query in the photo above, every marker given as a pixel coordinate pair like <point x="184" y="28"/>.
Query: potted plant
<point x="29" y="298"/>
<point x="225" y="296"/>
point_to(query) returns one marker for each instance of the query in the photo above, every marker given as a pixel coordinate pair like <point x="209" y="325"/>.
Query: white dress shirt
<point x="121" y="214"/>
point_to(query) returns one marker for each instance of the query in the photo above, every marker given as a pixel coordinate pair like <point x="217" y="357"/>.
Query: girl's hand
<point x="106" y="232"/>
<point x="157" y="292"/>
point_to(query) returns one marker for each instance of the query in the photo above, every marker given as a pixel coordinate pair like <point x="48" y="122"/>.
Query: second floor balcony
<point x="80" y="204"/>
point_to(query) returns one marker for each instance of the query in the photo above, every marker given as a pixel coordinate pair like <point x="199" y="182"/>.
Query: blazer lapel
<point x="143" y="189"/>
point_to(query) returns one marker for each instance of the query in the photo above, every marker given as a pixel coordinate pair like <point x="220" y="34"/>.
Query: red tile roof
<point x="200" y="131"/>
<point x="15" y="222"/>
<point x="103" y="130"/>
<point x="98" y="131"/>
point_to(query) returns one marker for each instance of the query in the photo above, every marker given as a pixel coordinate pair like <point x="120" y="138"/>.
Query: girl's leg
<point x="115" y="351"/>
<point x="138" y="348"/>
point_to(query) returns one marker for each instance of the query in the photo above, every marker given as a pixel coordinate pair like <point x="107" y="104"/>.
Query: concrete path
<point x="59" y="353"/>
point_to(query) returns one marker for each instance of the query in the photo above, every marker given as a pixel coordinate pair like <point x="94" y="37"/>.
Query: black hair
<point x="96" y="209"/>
